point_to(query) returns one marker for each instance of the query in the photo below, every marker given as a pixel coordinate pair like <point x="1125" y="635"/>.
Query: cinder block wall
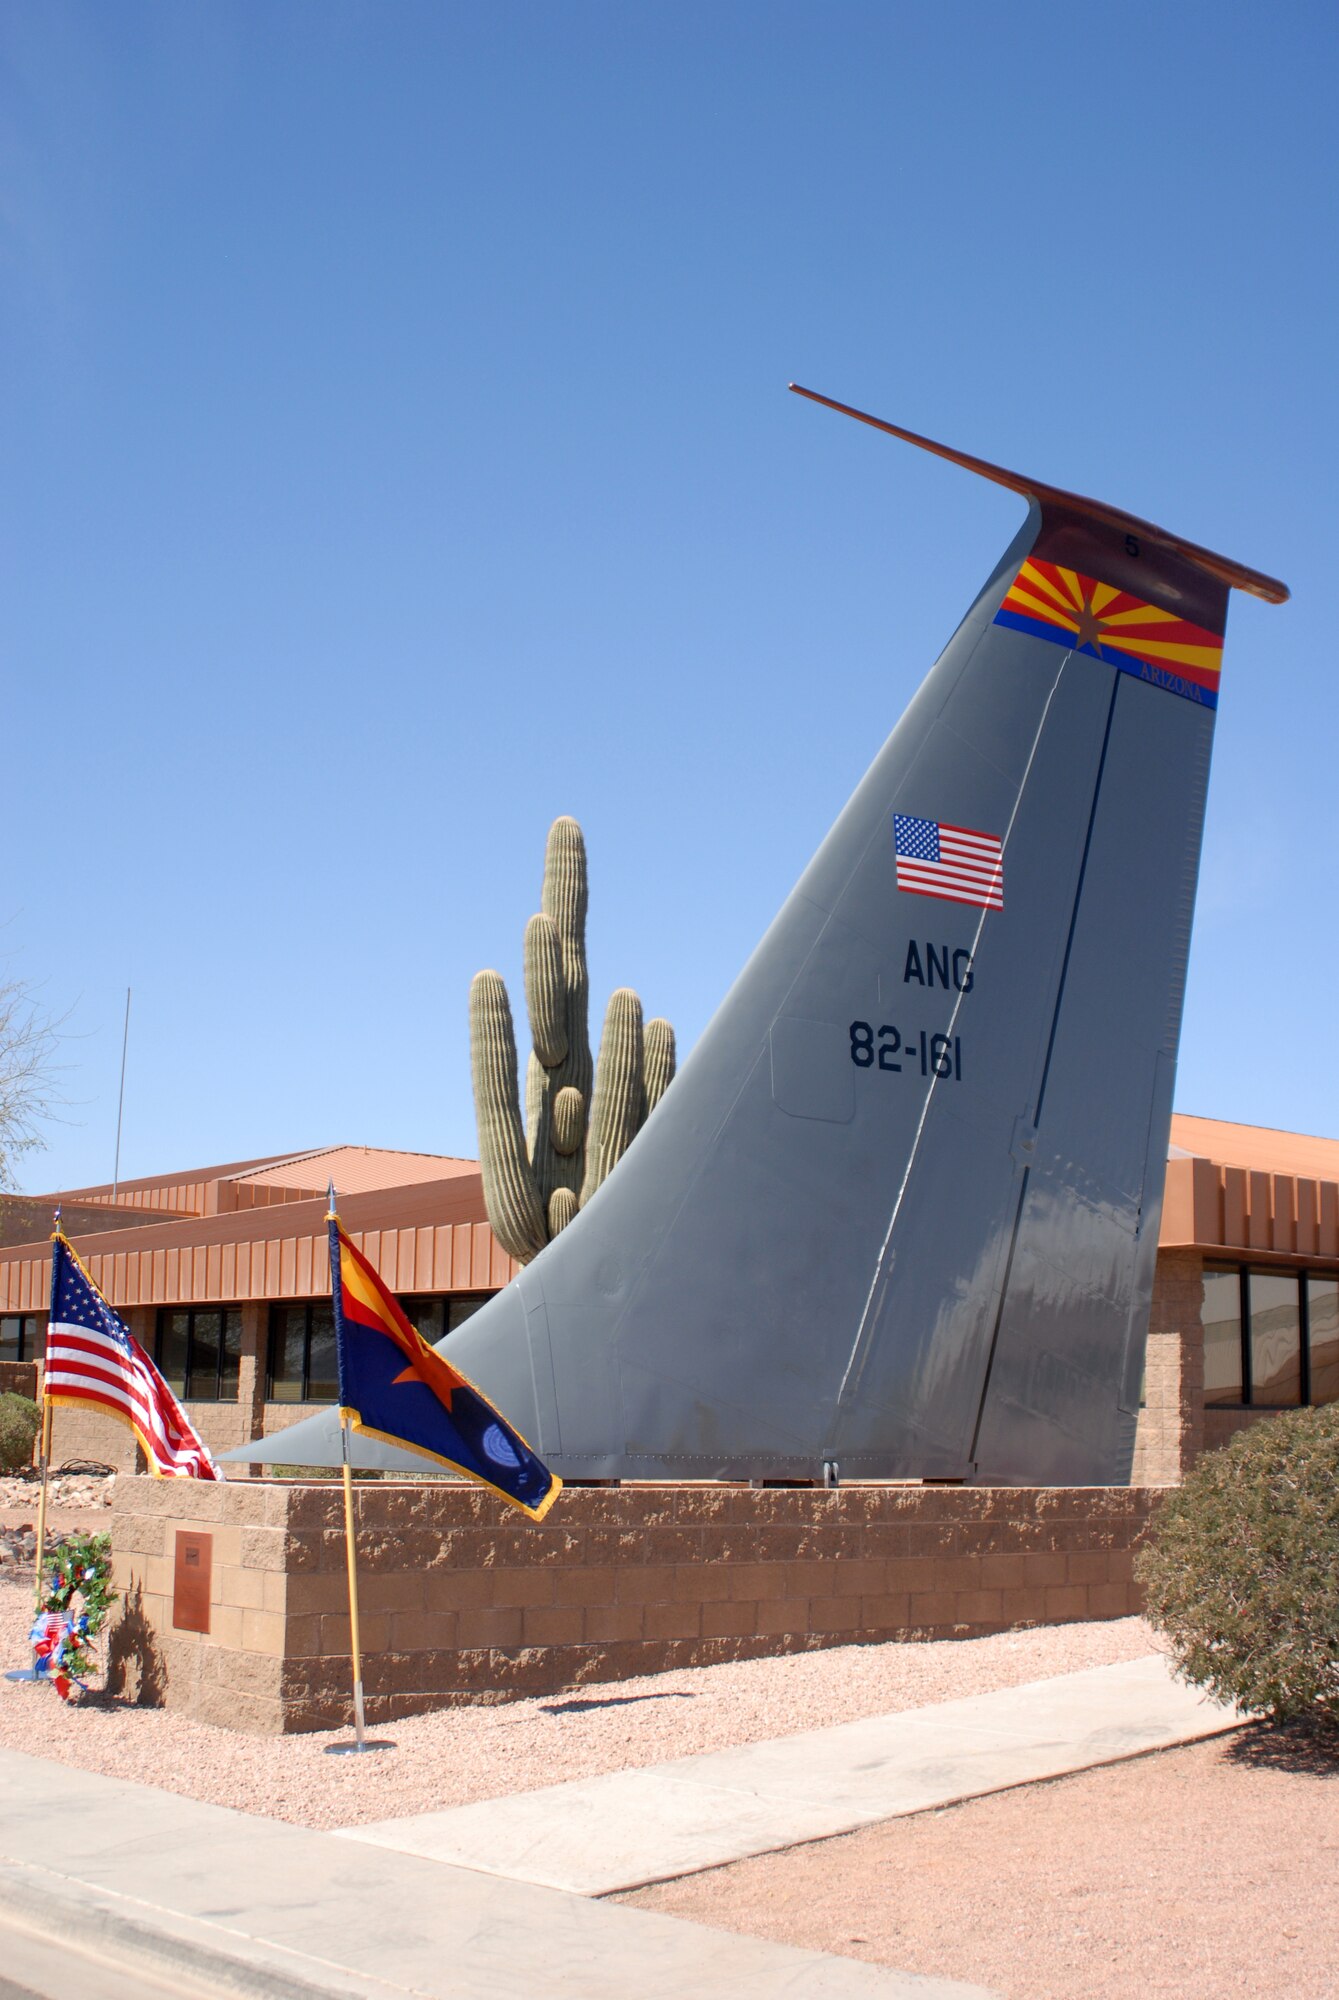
<point x="19" y="1378"/>
<point x="465" y="1601"/>
<point x="1169" y="1436"/>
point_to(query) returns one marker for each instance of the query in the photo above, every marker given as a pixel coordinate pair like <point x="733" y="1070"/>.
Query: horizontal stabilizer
<point x="1055" y="500"/>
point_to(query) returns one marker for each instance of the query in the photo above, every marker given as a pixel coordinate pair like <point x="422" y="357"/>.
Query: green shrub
<point x="1241" y="1571"/>
<point x="20" y="1422"/>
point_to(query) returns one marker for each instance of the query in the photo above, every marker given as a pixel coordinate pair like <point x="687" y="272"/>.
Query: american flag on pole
<point x="92" y="1360"/>
<point x="951" y="862"/>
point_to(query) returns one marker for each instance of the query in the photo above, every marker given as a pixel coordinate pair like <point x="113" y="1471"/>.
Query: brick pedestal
<point x="465" y="1601"/>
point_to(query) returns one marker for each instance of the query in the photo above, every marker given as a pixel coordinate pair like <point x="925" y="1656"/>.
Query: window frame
<point x="1305" y="1276"/>
<point x="1298" y="1275"/>
<point x="221" y="1312"/>
<point x="306" y="1307"/>
<point x="410" y="1300"/>
<point x="1222" y="1268"/>
<point x="1301" y="1274"/>
<point x="474" y="1300"/>
<point x="27" y="1322"/>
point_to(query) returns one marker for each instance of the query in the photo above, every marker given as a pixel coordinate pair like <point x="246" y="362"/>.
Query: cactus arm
<point x="658" y="1061"/>
<point x="564" y="900"/>
<point x="562" y="1208"/>
<point x="568" y="1122"/>
<point x="545" y="990"/>
<point x="536" y="1085"/>
<point x="616" y="1106"/>
<point x="510" y="1194"/>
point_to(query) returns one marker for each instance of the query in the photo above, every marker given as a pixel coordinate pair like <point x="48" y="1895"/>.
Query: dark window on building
<point x="1322" y="1313"/>
<point x="1222" y="1334"/>
<point x="1271" y="1337"/>
<point x="1276" y="1338"/>
<point x="436" y="1317"/>
<point x="199" y="1351"/>
<point x="20" y="1337"/>
<point x="301" y="1365"/>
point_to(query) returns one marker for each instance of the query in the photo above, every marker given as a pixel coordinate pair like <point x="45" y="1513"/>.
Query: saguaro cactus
<point x="536" y="1178"/>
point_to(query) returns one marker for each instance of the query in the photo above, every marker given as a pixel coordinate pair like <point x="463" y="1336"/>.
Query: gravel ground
<point x="64" y="1489"/>
<point x="75" y="1504"/>
<point x="1195" y="1873"/>
<point x="461" y="1754"/>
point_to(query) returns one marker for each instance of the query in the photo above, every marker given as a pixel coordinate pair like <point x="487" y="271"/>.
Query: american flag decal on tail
<point x="951" y="862"/>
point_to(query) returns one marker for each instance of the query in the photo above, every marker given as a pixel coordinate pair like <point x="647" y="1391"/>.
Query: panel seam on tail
<point x="1046" y="1067"/>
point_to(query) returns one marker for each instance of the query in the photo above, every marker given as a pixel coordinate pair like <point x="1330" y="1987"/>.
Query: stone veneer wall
<point x="1174" y="1426"/>
<point x="19" y="1378"/>
<point x="1169" y="1436"/>
<point x="465" y="1601"/>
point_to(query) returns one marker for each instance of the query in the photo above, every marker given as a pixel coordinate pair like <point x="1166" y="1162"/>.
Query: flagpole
<point x="43" y="1467"/>
<point x="44" y="1461"/>
<point x="350" y="1545"/>
<point x="351" y="1559"/>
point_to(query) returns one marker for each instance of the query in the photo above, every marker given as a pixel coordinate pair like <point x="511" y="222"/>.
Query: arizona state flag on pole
<point x="393" y="1385"/>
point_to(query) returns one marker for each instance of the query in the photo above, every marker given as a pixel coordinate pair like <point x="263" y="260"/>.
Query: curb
<point x="78" y="1917"/>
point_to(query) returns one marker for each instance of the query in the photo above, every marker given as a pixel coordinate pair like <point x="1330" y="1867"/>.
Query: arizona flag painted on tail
<point x="394" y="1386"/>
<point x="1050" y="601"/>
<point x="93" y="1361"/>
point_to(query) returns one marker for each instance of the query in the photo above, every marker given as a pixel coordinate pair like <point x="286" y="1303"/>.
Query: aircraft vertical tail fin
<point x="899" y="1208"/>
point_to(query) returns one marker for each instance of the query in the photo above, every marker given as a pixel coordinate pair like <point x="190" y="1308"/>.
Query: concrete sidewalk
<point x="211" y="1901"/>
<point x="598" y="1835"/>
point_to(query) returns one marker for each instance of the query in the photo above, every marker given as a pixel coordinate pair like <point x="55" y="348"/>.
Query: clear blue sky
<point x="396" y="453"/>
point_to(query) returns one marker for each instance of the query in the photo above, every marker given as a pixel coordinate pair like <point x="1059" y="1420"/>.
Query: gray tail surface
<point x="898" y="1213"/>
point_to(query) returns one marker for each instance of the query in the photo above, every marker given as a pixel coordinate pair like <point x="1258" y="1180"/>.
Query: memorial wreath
<point x="76" y="1595"/>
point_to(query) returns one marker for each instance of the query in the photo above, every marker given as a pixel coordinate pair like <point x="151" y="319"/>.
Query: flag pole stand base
<point x="23" y="1674"/>
<point x="360" y="1741"/>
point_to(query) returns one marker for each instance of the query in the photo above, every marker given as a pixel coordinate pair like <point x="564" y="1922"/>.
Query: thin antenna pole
<point x="120" y="1101"/>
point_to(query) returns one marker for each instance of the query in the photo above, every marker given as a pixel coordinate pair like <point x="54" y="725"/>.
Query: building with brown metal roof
<point x="222" y="1274"/>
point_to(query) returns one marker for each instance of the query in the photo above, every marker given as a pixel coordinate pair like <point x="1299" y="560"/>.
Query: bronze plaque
<point x="190" y="1581"/>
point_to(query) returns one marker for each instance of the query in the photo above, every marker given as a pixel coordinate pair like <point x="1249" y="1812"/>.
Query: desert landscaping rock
<point x="19" y="1496"/>
<point x="458" y="1755"/>
<point x="1183" y="1876"/>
